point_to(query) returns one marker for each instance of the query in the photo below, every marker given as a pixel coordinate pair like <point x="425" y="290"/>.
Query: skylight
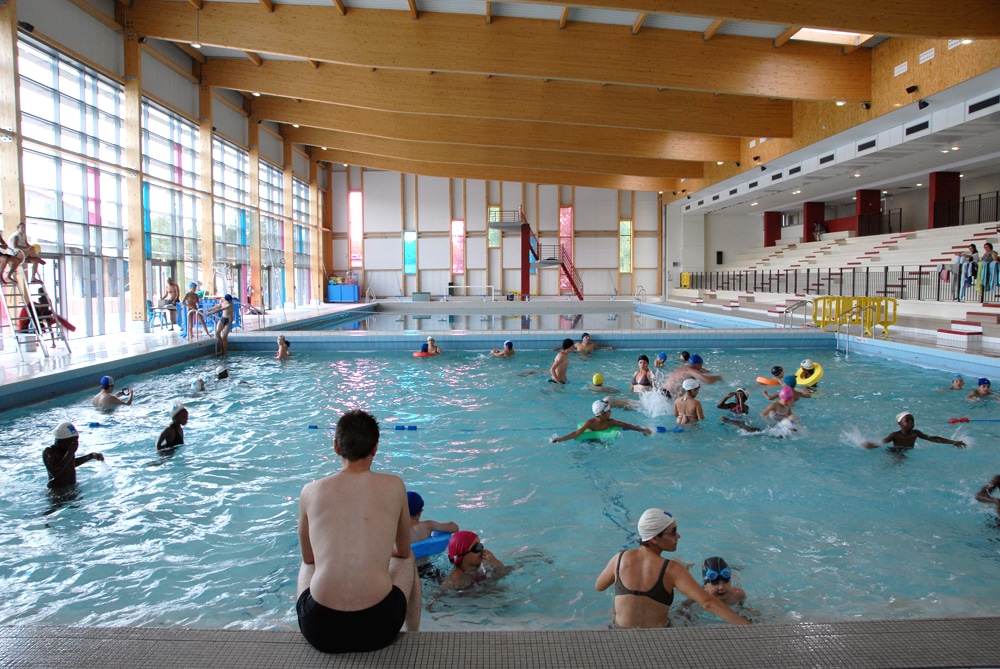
<point x="831" y="37"/>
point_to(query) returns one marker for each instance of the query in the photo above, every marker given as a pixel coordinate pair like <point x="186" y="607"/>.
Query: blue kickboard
<point x="437" y="543"/>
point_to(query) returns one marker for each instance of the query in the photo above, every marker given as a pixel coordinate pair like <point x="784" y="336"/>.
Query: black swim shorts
<point x="351" y="631"/>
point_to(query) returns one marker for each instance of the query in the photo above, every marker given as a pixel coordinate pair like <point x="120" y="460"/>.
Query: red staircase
<point x="536" y="255"/>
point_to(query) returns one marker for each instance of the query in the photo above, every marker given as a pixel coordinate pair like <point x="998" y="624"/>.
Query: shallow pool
<point x="817" y="528"/>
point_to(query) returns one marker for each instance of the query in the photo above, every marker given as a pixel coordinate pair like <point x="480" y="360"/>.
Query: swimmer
<point x="191" y="307"/>
<point x="431" y="347"/>
<point x="561" y="364"/>
<point x="645" y="582"/>
<point x="586" y="345"/>
<point x="692" y="370"/>
<point x="642" y="380"/>
<point x="904" y="438"/>
<point x="283" y="346"/>
<point x="506" y="351"/>
<point x="957" y="383"/>
<point x="687" y="408"/>
<point x="60" y="458"/>
<point x="421" y="529"/>
<point x="806" y="368"/>
<point x="739" y="403"/>
<point x="661" y="360"/>
<point x="780" y="409"/>
<point x="777" y="372"/>
<point x="597" y="385"/>
<point x="985" y="495"/>
<point x="108" y="399"/>
<point x="198" y="385"/>
<point x="716" y="576"/>
<point x="982" y="391"/>
<point x="173" y="435"/>
<point x="790" y="382"/>
<point x="473" y="563"/>
<point x="225" y="324"/>
<point x="221" y="373"/>
<point x="602" y="420"/>
<point x="685" y="357"/>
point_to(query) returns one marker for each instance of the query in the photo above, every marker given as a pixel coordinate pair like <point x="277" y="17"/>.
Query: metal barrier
<point x="864" y="311"/>
<point x="787" y="317"/>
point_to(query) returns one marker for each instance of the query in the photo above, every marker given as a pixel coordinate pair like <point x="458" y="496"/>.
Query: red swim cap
<point x="460" y="544"/>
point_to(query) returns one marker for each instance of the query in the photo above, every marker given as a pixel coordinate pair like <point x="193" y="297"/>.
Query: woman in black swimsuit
<point x="644" y="581"/>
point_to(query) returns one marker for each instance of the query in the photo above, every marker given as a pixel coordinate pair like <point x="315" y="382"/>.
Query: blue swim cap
<point x="192" y="285"/>
<point x="227" y="297"/>
<point x="508" y="344"/>
<point x="661" y="356"/>
<point x="695" y="360"/>
<point x="790" y="380"/>
<point x="107" y="382"/>
<point x="415" y="501"/>
<point x="984" y="382"/>
<point x="584" y="335"/>
<point x="957" y="376"/>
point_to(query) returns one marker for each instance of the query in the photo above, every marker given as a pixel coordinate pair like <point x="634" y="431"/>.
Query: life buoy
<point x="610" y="433"/>
<point x="812" y="378"/>
<point x="436" y="543"/>
<point x="422" y="354"/>
<point x="764" y="381"/>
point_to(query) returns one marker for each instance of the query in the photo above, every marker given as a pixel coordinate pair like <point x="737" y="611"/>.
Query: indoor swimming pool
<point x="816" y="528"/>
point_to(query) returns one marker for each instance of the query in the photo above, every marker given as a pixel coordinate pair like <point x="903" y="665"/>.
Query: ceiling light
<point x="954" y="148"/>
<point x="295" y="125"/>
<point x="919" y="185"/>
<point x="196" y="45"/>
<point x="841" y="103"/>
<point x="967" y="40"/>
<point x="720" y="162"/>
<point x="857" y="175"/>
<point x="324" y="148"/>
<point x="831" y="37"/>
<point x="885" y="192"/>
<point x="197" y="42"/>
<point x="960" y="176"/>
<point x="796" y="191"/>
<point x="855" y="197"/>
<point x="945" y="151"/>
<point x="344" y="164"/>
<point x="753" y="204"/>
<point x="256" y="94"/>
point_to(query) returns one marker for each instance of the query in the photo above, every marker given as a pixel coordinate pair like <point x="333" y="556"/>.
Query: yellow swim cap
<point x="598" y="380"/>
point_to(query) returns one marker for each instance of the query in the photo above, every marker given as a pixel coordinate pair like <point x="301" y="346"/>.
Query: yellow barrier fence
<point x="685" y="279"/>
<point x="864" y="311"/>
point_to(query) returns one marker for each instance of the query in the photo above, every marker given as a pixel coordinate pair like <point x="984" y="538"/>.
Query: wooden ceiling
<point x="634" y="94"/>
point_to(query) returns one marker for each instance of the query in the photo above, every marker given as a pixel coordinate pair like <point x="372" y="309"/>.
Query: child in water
<point x="904" y="438"/>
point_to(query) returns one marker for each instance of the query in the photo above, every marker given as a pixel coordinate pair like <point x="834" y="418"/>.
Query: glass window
<point x="356" y="228"/>
<point x="493" y="235"/>
<point x="625" y="247"/>
<point x="565" y="244"/>
<point x="458" y="247"/>
<point x="409" y="252"/>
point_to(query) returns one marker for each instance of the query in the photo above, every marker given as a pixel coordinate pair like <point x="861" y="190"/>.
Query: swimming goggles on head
<point x="711" y="576"/>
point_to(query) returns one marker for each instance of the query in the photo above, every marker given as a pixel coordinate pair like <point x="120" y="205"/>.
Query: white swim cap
<point x="690" y="384"/>
<point x="176" y="409"/>
<point x="65" y="431"/>
<point x="198" y="384"/>
<point x="221" y="369"/>
<point x="807" y="364"/>
<point x="599" y="407"/>
<point x="654" y="521"/>
<point x="900" y="416"/>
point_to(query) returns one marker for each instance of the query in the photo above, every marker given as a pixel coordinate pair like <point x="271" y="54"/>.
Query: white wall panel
<point x="76" y="30"/>
<point x="475" y="253"/>
<point x="229" y="123"/>
<point x="383" y="211"/>
<point x="511" y="196"/>
<point x="645" y="215"/>
<point x="644" y="253"/>
<point x="595" y="209"/>
<point x="435" y="282"/>
<point x="548" y="209"/>
<point x="434" y="213"/>
<point x="272" y="149"/>
<point x="300" y="165"/>
<point x="384" y="254"/>
<point x="433" y="253"/>
<point x="589" y="253"/>
<point x="475" y="205"/>
<point x="162" y="82"/>
<point x="732" y="235"/>
<point x="384" y="283"/>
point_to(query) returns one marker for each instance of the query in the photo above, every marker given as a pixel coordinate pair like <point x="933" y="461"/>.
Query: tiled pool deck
<point x="953" y="642"/>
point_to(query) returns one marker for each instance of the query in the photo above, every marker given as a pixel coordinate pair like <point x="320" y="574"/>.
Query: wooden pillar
<point x="812" y="213"/>
<point x="11" y="178"/>
<point x="316" y="279"/>
<point x="945" y="193"/>
<point x="772" y="228"/>
<point x="525" y="260"/>
<point x="253" y="203"/>
<point x="134" y="214"/>
<point x="327" y="224"/>
<point x="288" y="211"/>
<point x="205" y="183"/>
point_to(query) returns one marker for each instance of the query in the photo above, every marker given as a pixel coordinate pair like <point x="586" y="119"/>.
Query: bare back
<point x="351" y="524"/>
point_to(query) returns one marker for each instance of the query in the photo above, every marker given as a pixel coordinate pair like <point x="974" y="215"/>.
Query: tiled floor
<point x="972" y="642"/>
<point x="969" y="642"/>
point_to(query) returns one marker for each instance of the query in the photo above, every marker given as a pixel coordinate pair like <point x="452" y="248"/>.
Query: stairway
<point x="29" y="313"/>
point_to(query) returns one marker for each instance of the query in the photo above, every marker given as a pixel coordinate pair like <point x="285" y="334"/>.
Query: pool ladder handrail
<point x="787" y="316"/>
<point x="370" y="295"/>
<point x="640" y="294"/>
<point x="841" y="317"/>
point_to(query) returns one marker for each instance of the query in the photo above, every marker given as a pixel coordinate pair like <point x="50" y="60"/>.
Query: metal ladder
<point x="19" y="305"/>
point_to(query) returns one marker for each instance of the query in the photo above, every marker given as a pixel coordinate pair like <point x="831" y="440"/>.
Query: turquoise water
<point x="389" y="321"/>
<point x="817" y="528"/>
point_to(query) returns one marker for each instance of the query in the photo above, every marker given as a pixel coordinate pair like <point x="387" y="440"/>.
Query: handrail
<point x="786" y="317"/>
<point x="491" y="291"/>
<point x="370" y="295"/>
<point x="640" y="294"/>
<point x="863" y="309"/>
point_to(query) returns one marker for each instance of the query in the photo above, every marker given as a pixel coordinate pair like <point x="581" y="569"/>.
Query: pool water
<point x="816" y="528"/>
<point x="390" y="321"/>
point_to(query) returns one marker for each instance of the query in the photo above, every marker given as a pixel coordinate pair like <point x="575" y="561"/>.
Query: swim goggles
<point x="476" y="548"/>
<point x="711" y="576"/>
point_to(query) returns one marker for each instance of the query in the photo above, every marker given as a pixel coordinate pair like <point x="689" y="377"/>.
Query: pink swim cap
<point x="786" y="393"/>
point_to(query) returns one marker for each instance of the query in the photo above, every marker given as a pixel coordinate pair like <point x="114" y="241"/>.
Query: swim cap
<point x="198" y="384"/>
<point x="430" y="339"/>
<point x="716" y="564"/>
<point x="107" y="381"/>
<point x="806" y="364"/>
<point x="415" y="502"/>
<point x="192" y="285"/>
<point x="661" y="356"/>
<point x="642" y="357"/>
<point x="598" y="380"/>
<point x="791" y="381"/>
<point x="176" y="409"/>
<point x="584" y="335"/>
<point x="599" y="407"/>
<point x="654" y="521"/>
<point x="903" y="414"/>
<point x="227" y="297"/>
<point x="695" y="360"/>
<point x="65" y="431"/>
<point x="508" y="344"/>
<point x="460" y="544"/>
<point x="221" y="369"/>
<point x="777" y="370"/>
<point x="786" y="393"/>
<point x="690" y="384"/>
<point x="984" y="382"/>
<point x="742" y="390"/>
<point x="957" y="376"/>
<point x="423" y="348"/>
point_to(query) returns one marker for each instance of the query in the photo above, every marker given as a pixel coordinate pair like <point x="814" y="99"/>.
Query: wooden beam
<point x="229" y="103"/>
<point x="205" y="179"/>
<point x="855" y="47"/>
<point x="525" y="48"/>
<point x="433" y="152"/>
<point x="500" y="133"/>
<point x="528" y="176"/>
<point x="197" y="4"/>
<point x="564" y="18"/>
<point x="896" y="18"/>
<point x="786" y="35"/>
<point x="340" y="7"/>
<point x="489" y="11"/>
<point x="187" y="74"/>
<point x="132" y="143"/>
<point x="268" y="5"/>
<point x="254" y="58"/>
<point x="712" y="29"/>
<point x="190" y="50"/>
<point x="510" y="98"/>
<point x="98" y="14"/>
<point x="637" y="24"/>
<point x="315" y="64"/>
<point x="11" y="174"/>
<point x="414" y="14"/>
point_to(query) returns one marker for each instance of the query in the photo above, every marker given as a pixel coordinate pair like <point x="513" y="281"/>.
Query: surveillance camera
<point x="911" y="89"/>
<point x="923" y="104"/>
<point x="756" y="159"/>
<point x="143" y="39"/>
<point x="737" y="163"/>
<point x="763" y="167"/>
<point x="866" y="105"/>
